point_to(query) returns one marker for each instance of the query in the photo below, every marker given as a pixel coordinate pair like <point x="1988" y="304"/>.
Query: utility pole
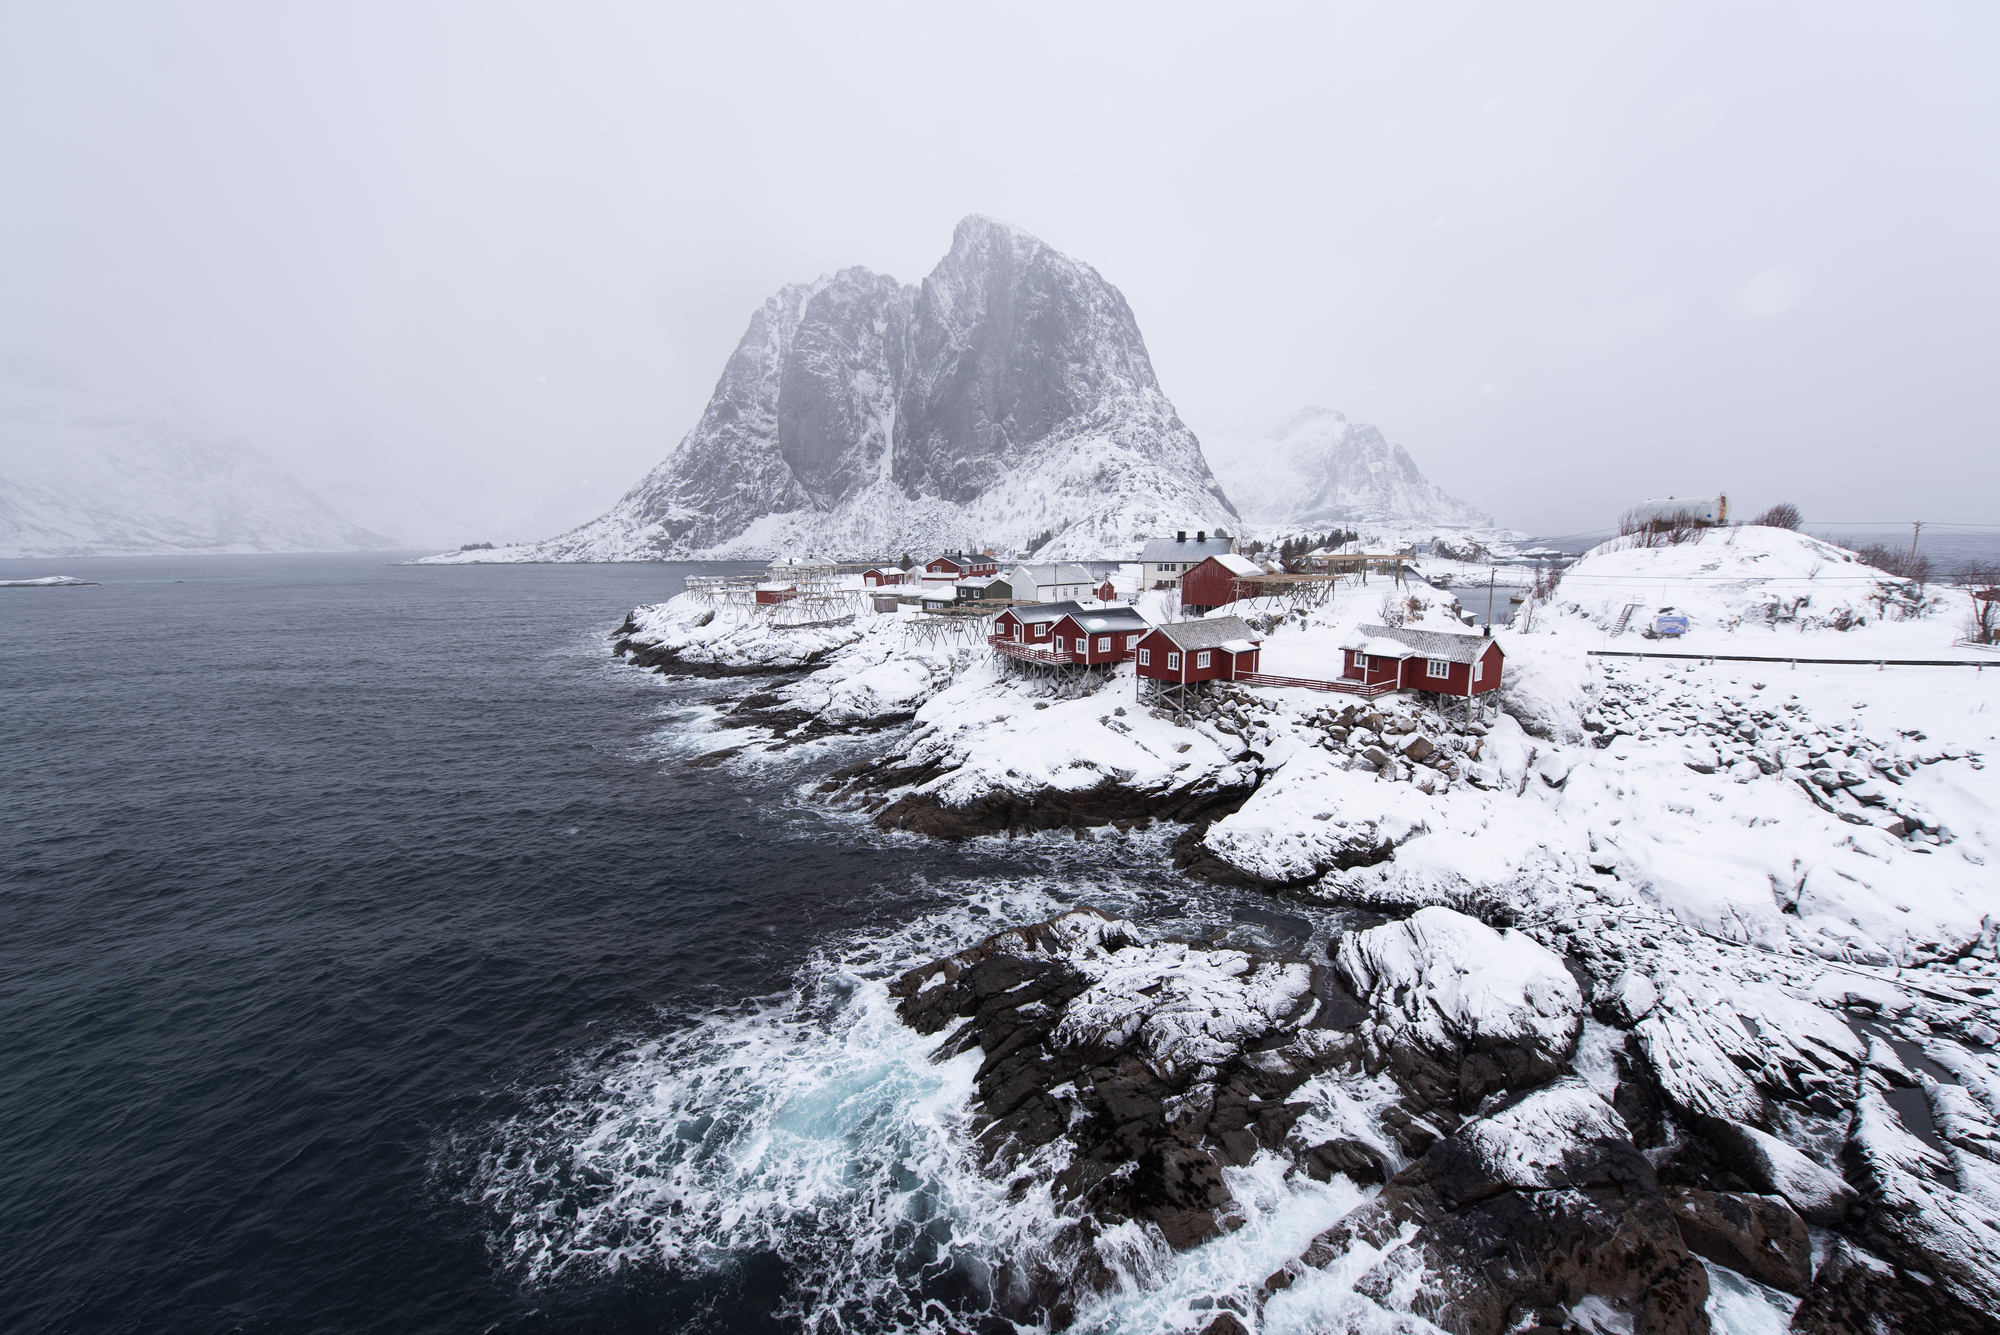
<point x="1489" y="593"/>
<point x="1916" y="531"/>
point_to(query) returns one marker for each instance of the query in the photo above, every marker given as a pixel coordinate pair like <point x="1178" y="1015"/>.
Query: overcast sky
<point x="471" y="269"/>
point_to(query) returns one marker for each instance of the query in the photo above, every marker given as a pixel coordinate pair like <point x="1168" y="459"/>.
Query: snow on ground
<point x="1778" y="880"/>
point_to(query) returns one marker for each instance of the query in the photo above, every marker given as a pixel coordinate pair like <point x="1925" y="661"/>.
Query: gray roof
<point x="1054" y="574"/>
<point x="1046" y="612"/>
<point x="1166" y="549"/>
<point x="1208" y="634"/>
<point x="1112" y="619"/>
<point x="1451" y="647"/>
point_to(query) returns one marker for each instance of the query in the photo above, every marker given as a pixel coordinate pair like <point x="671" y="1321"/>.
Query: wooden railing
<point x="1366" y="690"/>
<point x="1027" y="653"/>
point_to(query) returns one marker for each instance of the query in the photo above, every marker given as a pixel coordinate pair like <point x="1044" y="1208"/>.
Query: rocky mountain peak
<point x="1318" y="468"/>
<point x="1007" y="395"/>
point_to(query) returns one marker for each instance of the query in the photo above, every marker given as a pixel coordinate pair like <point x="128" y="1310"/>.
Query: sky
<point x="469" y="270"/>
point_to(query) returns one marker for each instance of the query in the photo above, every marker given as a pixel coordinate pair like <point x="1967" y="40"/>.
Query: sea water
<point x="373" y="959"/>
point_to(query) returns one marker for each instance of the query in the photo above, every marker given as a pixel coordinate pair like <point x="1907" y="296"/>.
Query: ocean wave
<point x="814" y="1127"/>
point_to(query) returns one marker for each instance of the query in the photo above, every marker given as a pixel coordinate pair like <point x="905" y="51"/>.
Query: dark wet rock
<point x="1857" y="1293"/>
<point x="669" y="662"/>
<point x="1085" y="1038"/>
<point x="1542" y="1204"/>
<point x="1758" y="1236"/>
<point x="1010" y="813"/>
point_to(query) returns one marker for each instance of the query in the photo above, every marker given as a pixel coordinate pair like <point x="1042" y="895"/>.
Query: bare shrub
<point x="1394" y="610"/>
<point x="1668" y="530"/>
<point x="1982" y="580"/>
<point x="1782" y="515"/>
<point x="1898" y="561"/>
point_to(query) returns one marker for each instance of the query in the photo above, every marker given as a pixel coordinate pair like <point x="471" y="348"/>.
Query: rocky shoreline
<point x="1522" y="1186"/>
<point x="1567" y="1079"/>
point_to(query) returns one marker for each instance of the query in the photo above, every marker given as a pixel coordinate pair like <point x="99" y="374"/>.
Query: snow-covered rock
<point x="1008" y="395"/>
<point x="1450" y="981"/>
<point x="85" y="472"/>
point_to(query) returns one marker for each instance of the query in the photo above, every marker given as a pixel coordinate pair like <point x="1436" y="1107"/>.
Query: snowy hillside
<point x="1318" y="469"/>
<point x="1769" y="582"/>
<point x="83" y="473"/>
<point x="1007" y="396"/>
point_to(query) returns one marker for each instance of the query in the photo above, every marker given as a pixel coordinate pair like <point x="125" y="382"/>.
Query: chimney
<point x="1489" y="630"/>
<point x="1201" y="536"/>
<point x="1181" y="536"/>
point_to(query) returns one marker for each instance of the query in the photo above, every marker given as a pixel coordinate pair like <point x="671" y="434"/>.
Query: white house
<point x="1165" y="560"/>
<point x="1053" y="583"/>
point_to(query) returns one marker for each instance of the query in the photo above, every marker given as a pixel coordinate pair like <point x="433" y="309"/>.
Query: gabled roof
<point x="1166" y="549"/>
<point x="1055" y="574"/>
<point x="1108" y="619"/>
<point x="1212" y="633"/>
<point x="1237" y="565"/>
<point x="1045" y="612"/>
<point x="1451" y="647"/>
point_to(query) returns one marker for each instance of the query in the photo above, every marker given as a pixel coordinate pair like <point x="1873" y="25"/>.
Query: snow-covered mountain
<point x="1008" y="395"/>
<point x="1319" y="469"/>
<point x="84" y="472"/>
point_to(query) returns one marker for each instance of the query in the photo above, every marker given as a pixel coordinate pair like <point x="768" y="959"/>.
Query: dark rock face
<point x="1496" y="1245"/>
<point x="1859" y="1294"/>
<point x="1130" y="1077"/>
<point x="872" y="413"/>
<point x="1758" y="1236"/>
<point x="1099" y="1077"/>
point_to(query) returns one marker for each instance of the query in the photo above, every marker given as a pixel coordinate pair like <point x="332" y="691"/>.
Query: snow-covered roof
<point x="1054" y="574"/>
<point x="1390" y="642"/>
<point x="1045" y="612"/>
<point x="1113" y="618"/>
<point x="1167" y="549"/>
<point x="1239" y="646"/>
<point x="1237" y="565"/>
<point x="1213" y="633"/>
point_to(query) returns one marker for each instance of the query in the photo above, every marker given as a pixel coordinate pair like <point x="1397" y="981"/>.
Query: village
<point x="1158" y="614"/>
<point x="1730" y="778"/>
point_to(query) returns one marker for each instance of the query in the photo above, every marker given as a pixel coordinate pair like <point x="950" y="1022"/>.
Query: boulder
<point x="1540" y="1207"/>
<point x="1758" y="1236"/>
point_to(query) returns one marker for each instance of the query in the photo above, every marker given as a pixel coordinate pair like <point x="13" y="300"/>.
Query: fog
<point x="469" y="270"/>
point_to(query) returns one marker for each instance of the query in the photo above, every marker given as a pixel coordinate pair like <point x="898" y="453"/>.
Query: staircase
<point x="1624" y="617"/>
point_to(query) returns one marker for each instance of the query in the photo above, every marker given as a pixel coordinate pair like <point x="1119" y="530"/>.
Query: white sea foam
<point x="815" y="1127"/>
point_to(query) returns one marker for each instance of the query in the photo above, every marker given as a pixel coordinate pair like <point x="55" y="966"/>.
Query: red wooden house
<point x="1423" y="660"/>
<point x="879" y="577"/>
<point x="1107" y="635"/>
<point x="770" y="596"/>
<point x="1186" y="652"/>
<point x="1218" y="582"/>
<point x="962" y="565"/>
<point x="1068" y="633"/>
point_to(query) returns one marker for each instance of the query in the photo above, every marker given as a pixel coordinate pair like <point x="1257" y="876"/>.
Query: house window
<point x="1479" y="670"/>
<point x="1173" y="662"/>
<point x="1131" y="641"/>
<point x="1361" y="662"/>
<point x="1145" y="658"/>
<point x="1201" y="659"/>
<point x="1436" y="667"/>
<point x="1104" y="644"/>
<point x="1042" y="631"/>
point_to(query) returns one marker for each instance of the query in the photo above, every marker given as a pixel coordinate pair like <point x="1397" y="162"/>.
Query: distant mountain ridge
<point x="1320" y="469"/>
<point x="1008" y="395"/>
<point x="84" y="472"/>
